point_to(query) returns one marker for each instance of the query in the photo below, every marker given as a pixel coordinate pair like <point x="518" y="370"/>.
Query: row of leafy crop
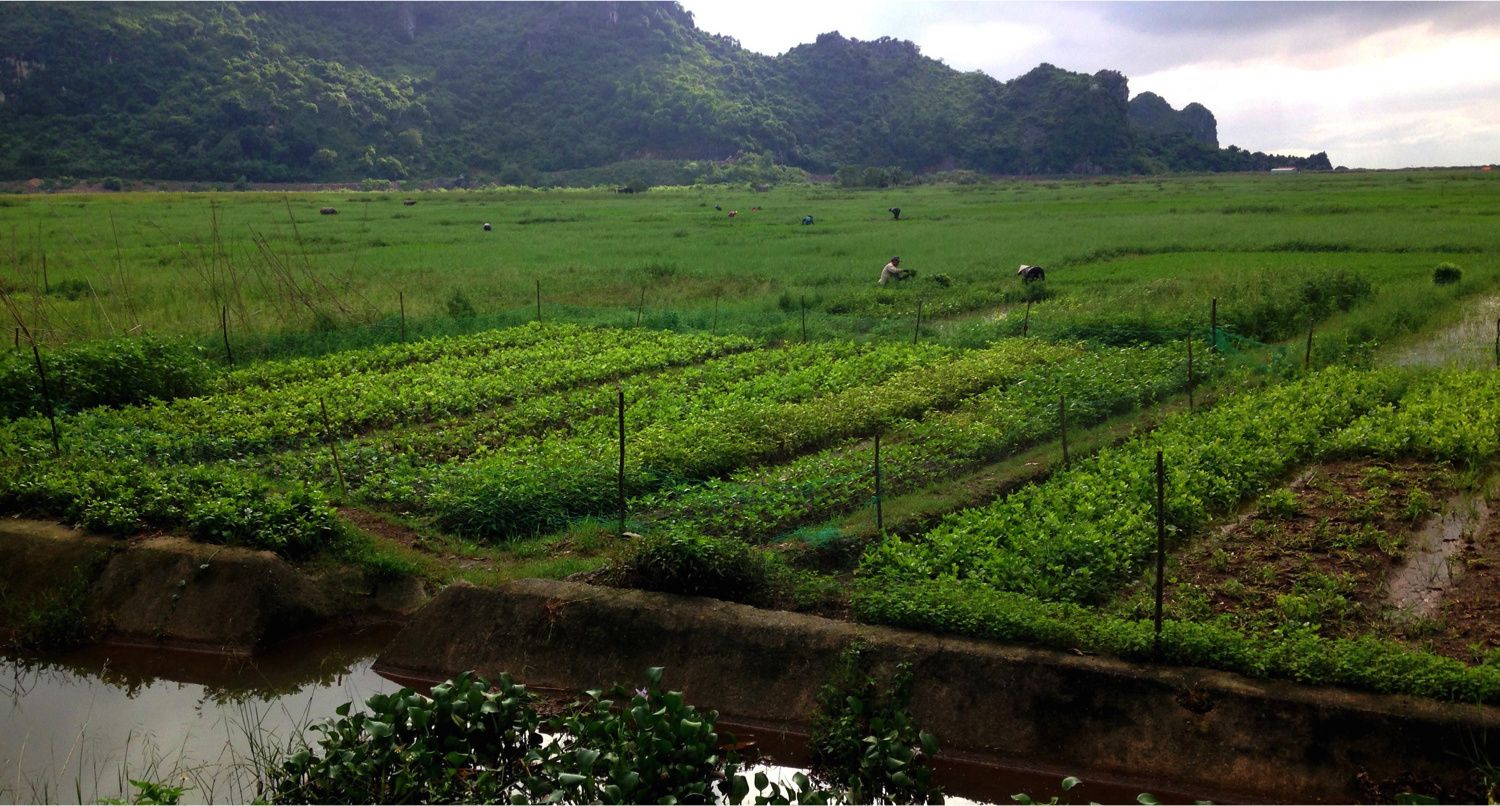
<point x="537" y="481"/>
<point x="796" y="372"/>
<point x="552" y="481"/>
<point x="110" y="372"/>
<point x="119" y="492"/>
<point x="215" y="504"/>
<point x="988" y="573"/>
<point x="762" y="503"/>
<point x="265" y="419"/>
<point x="1089" y="528"/>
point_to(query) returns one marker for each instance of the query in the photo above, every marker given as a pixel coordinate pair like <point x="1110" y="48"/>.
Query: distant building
<point x="1284" y="170"/>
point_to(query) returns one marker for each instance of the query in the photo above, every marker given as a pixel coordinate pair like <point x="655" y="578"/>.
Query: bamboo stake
<point x="1026" y="323"/>
<point x="401" y="298"/>
<point x="1161" y="545"/>
<point x="224" y="324"/>
<point x="879" y="514"/>
<point x="641" y="309"/>
<point x="1062" y="420"/>
<point x="539" y="300"/>
<point x="621" y="477"/>
<point x="917" y="331"/>
<point x="333" y="448"/>
<point x="1307" y="359"/>
<point x="716" y="314"/>
<point x="46" y="398"/>
<point x="1213" y="325"/>
<point x="1190" y="371"/>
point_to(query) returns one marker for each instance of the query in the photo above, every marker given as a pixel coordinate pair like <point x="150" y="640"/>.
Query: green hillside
<point x="345" y="91"/>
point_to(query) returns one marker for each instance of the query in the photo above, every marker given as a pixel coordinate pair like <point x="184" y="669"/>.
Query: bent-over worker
<point x="892" y="271"/>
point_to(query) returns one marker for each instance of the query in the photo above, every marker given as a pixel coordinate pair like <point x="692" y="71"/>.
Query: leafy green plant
<point x="150" y="793"/>
<point x="111" y="372"/>
<point x="697" y="565"/>
<point x="864" y="738"/>
<point x="1280" y="504"/>
<point x="1446" y="274"/>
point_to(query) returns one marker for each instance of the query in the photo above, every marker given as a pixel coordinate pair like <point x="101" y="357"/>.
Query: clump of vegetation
<point x="471" y="742"/>
<point x="1280" y="505"/>
<point x="864" y="738"/>
<point x="698" y="565"/>
<point x="1446" y="274"/>
<point x="459" y="305"/>
<point x="112" y="372"/>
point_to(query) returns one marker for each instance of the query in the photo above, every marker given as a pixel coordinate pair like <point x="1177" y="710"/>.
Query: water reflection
<point x="77" y="725"/>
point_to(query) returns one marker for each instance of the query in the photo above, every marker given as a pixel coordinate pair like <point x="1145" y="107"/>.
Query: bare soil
<point x="1349" y="548"/>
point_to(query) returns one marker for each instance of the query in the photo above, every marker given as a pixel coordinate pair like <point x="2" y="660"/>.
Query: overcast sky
<point x="1376" y="85"/>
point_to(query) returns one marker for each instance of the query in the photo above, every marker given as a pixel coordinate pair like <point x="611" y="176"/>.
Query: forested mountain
<point x="339" y="91"/>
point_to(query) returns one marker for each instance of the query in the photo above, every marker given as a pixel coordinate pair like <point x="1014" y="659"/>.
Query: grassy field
<point x="1143" y="251"/>
<point x="488" y="447"/>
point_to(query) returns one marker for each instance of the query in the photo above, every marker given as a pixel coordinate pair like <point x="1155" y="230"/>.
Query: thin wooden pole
<point x="917" y="331"/>
<point x="539" y="300"/>
<point x="716" y="315"/>
<point x="46" y="398"/>
<point x="642" y="308"/>
<point x="1190" y="371"/>
<point x="46" y="283"/>
<point x="1497" y="344"/>
<point x="1213" y="325"/>
<point x="879" y="512"/>
<point x="224" y="323"/>
<point x="1062" y="421"/>
<point x="1307" y="358"/>
<point x="621" y="478"/>
<point x="1161" y="544"/>
<point x="1026" y="323"/>
<point x="333" y="448"/>
<point x="401" y="297"/>
<point x="804" y="320"/>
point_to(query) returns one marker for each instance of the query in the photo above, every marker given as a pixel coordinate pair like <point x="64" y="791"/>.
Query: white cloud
<point x="1379" y="85"/>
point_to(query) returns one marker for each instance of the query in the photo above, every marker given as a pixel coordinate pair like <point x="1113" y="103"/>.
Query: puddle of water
<point x="77" y="725"/>
<point x="1470" y="344"/>
<point x="1418" y="585"/>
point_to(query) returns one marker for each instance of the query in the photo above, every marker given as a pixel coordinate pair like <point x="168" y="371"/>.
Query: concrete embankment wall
<point x="172" y="591"/>
<point x="1191" y="728"/>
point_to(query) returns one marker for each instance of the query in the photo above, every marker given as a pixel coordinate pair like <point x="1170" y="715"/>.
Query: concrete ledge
<point x="173" y="591"/>
<point x="1193" y="729"/>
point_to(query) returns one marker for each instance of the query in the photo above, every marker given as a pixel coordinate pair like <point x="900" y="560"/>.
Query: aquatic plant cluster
<point x="474" y="742"/>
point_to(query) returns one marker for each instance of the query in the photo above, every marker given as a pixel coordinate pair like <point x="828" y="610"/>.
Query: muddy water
<point x="77" y="726"/>
<point x="1470" y="344"/>
<point x="1418" y="585"/>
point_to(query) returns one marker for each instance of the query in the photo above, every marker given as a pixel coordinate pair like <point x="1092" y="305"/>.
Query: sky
<point x="1375" y="84"/>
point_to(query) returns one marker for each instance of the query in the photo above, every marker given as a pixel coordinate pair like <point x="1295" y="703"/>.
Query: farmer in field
<point x="893" y="271"/>
<point x="895" y="213"/>
<point x="1031" y="273"/>
<point x="807" y="219"/>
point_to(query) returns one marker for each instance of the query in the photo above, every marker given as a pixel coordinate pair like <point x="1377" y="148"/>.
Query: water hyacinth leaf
<point x="653" y="675"/>
<point x="1147" y="799"/>
<point x="1070" y="782"/>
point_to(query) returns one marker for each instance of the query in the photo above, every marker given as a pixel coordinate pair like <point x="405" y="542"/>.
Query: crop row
<point x="1453" y="416"/>
<point x="390" y="357"/>
<point x="260" y="419"/>
<point x="540" y="484"/>
<point x="386" y="463"/>
<point x="762" y="503"/>
<point x="1087" y="529"/>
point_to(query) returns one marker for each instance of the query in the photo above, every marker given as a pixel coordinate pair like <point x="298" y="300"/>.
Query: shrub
<point x="694" y="565"/>
<point x="459" y="305"/>
<point x="111" y="372"/>
<point x="112" y="183"/>
<point x="1446" y="274"/>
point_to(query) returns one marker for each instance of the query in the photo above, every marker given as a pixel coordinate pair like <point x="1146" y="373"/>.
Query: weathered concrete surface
<point x="173" y="590"/>
<point x="1195" y="729"/>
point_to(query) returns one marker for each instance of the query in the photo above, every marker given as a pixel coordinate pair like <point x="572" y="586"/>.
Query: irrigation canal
<point x="78" y="725"/>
